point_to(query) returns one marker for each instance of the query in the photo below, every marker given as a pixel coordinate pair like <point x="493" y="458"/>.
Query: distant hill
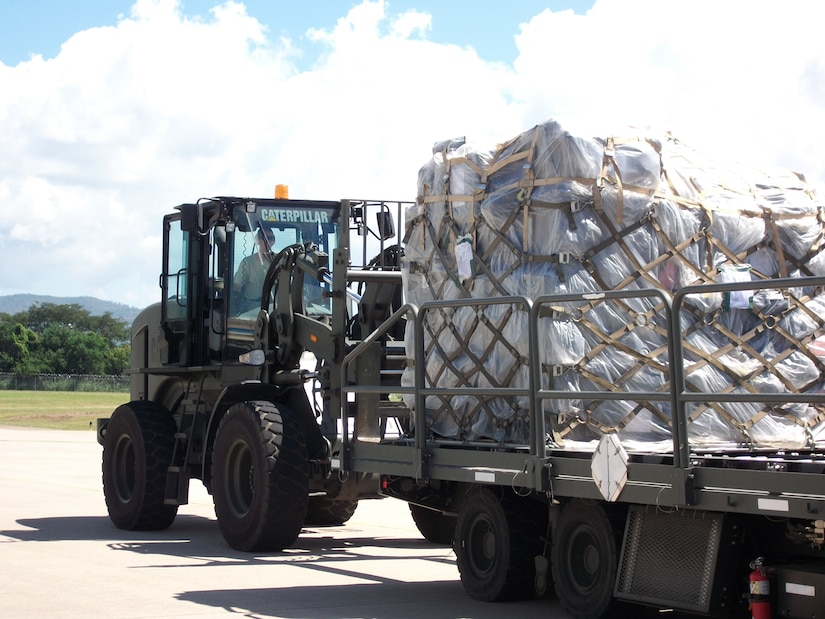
<point x="14" y="303"/>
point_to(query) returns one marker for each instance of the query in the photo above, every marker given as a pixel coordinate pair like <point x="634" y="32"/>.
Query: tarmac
<point x="60" y="556"/>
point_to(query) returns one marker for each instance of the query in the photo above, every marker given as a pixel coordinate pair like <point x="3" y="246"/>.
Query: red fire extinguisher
<point x="760" y="590"/>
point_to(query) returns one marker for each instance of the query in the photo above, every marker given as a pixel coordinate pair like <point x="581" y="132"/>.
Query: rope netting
<point x="550" y="212"/>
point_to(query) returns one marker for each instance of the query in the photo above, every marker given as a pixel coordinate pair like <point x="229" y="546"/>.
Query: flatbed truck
<point x="293" y="411"/>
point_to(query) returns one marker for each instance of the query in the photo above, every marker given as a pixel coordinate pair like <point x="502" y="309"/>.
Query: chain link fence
<point x="63" y="382"/>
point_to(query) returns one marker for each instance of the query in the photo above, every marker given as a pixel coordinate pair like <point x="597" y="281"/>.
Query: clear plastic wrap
<point x="549" y="212"/>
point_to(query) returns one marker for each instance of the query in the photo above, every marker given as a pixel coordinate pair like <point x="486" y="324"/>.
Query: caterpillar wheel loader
<point x="235" y="373"/>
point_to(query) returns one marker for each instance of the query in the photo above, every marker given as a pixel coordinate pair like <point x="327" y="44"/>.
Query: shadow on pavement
<point x="382" y="599"/>
<point x="199" y="537"/>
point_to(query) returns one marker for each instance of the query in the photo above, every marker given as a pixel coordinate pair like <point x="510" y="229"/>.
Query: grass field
<point x="58" y="410"/>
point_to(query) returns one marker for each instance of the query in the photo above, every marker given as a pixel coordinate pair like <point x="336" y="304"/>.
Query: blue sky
<point x="112" y="112"/>
<point x="41" y="26"/>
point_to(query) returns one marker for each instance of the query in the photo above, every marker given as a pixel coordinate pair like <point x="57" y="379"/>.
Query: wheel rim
<point x="584" y="560"/>
<point x="482" y="546"/>
<point x="239" y="476"/>
<point x="124" y="474"/>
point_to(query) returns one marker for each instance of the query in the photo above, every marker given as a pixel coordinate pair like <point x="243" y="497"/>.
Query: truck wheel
<point x="323" y="511"/>
<point x="584" y="560"/>
<point x="435" y="526"/>
<point x="260" y="477"/>
<point x="137" y="452"/>
<point x="495" y="544"/>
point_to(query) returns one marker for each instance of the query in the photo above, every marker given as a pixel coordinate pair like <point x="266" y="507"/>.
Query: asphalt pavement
<point x="61" y="557"/>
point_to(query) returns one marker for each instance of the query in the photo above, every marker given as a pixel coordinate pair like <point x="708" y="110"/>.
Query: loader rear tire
<point x="260" y="477"/>
<point x="137" y="451"/>
<point x="436" y="527"/>
<point x="324" y="511"/>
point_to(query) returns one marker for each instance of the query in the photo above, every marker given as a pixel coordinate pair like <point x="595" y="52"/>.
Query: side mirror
<point x="191" y="218"/>
<point x="386" y="225"/>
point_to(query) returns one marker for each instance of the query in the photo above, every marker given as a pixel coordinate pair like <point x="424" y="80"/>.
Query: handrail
<point x="677" y="394"/>
<point x="669" y="306"/>
<point x="544" y="394"/>
<point x="683" y="397"/>
<point x="382" y="329"/>
<point x="423" y="391"/>
<point x="356" y="352"/>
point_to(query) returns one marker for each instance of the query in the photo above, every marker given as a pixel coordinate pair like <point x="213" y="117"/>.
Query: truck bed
<point x="746" y="477"/>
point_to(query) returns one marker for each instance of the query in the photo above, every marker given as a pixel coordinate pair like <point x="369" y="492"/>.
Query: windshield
<point x="261" y="233"/>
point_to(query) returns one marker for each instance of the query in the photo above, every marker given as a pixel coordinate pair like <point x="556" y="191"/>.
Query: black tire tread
<point x="434" y="526"/>
<point x="524" y="522"/>
<point x="325" y="511"/>
<point x="591" y="604"/>
<point x="281" y="516"/>
<point x="157" y="430"/>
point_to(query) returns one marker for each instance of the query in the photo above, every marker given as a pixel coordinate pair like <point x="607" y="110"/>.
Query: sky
<point x="112" y="112"/>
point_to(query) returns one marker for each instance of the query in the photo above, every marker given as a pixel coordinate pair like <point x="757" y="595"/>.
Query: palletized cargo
<point x="550" y="212"/>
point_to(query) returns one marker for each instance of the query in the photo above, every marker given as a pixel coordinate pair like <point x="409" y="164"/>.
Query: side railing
<point x="672" y="317"/>
<point x="794" y="343"/>
<point x="567" y="306"/>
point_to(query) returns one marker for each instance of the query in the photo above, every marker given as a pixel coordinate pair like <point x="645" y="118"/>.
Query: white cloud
<point x="740" y="78"/>
<point x="160" y="108"/>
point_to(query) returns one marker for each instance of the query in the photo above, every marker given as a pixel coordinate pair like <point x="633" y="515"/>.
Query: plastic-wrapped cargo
<point x="551" y="212"/>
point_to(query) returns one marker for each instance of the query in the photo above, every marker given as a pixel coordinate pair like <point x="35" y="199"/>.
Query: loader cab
<point x="216" y="254"/>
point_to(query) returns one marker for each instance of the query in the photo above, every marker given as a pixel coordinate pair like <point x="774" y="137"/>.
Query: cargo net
<point x="549" y="212"/>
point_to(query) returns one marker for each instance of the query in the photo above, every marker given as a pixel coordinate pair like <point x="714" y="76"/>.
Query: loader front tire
<point x="260" y="477"/>
<point x="137" y="451"/>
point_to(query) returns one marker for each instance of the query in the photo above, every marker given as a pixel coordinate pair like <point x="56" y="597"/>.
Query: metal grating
<point x="669" y="558"/>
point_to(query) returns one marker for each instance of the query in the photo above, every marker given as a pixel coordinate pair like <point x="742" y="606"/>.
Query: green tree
<point x="63" y="339"/>
<point x="114" y="330"/>
<point x="39" y="316"/>
<point x="66" y="350"/>
<point x="118" y="359"/>
<point x="16" y="344"/>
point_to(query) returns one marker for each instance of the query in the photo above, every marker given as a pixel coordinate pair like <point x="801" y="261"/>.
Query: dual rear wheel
<point x="497" y="540"/>
<point x="501" y="546"/>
